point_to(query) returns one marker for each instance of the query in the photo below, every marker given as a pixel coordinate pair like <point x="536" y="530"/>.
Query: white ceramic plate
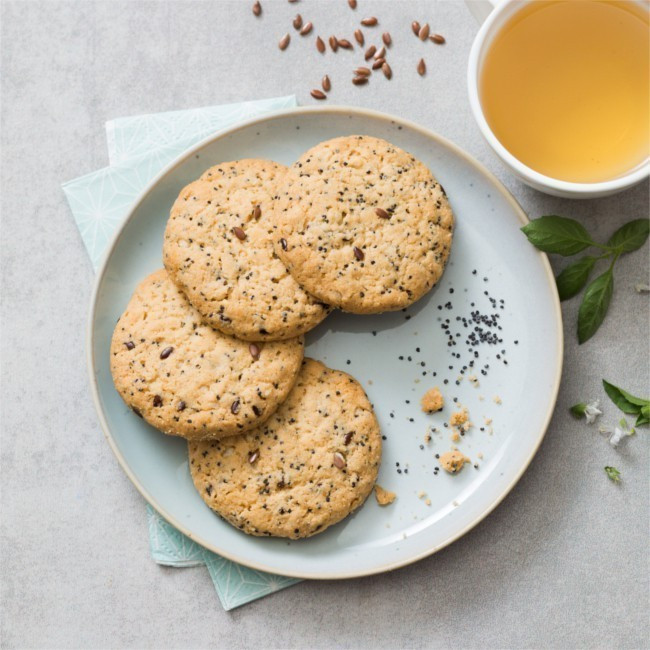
<point x="393" y="355"/>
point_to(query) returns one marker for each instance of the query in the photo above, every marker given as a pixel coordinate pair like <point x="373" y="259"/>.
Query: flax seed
<point x="284" y="42"/>
<point x="318" y="94"/>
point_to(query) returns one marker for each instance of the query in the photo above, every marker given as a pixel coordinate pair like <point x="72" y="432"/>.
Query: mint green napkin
<point x="138" y="148"/>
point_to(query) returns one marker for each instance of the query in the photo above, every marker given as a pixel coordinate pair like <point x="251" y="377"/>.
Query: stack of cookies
<point x="211" y="348"/>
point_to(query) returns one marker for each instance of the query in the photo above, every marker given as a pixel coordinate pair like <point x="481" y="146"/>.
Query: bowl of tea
<point x="561" y="91"/>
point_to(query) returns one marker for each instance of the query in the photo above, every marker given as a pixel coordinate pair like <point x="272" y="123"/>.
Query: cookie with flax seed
<point x="188" y="379"/>
<point x="309" y="466"/>
<point x="362" y="225"/>
<point x="218" y="249"/>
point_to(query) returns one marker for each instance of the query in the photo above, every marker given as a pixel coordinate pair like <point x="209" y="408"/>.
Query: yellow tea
<point x="565" y="87"/>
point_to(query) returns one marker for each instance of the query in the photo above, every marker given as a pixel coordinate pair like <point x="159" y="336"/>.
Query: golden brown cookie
<point x="362" y="225"/>
<point x="309" y="466"/>
<point x="188" y="379"/>
<point x="218" y="248"/>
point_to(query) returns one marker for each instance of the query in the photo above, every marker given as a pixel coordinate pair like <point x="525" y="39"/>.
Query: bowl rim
<point x="537" y="179"/>
<point x="101" y="271"/>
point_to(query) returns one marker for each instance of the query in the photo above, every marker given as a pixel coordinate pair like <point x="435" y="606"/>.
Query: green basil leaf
<point x="622" y="399"/>
<point x="613" y="474"/>
<point x="553" y="234"/>
<point x="578" y="410"/>
<point x="645" y="411"/>
<point x="594" y="305"/>
<point x="574" y="277"/>
<point x="630" y="236"/>
<point x="642" y="419"/>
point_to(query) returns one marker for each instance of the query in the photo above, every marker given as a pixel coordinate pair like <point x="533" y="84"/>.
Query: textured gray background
<point x="563" y="562"/>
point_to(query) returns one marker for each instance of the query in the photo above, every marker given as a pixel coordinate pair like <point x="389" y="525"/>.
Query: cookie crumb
<point x="453" y="461"/>
<point x="384" y="497"/>
<point x="496" y="399"/>
<point x="432" y="401"/>
<point x="427" y="501"/>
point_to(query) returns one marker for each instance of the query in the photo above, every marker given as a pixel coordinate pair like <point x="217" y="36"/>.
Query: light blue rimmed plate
<point x="517" y="365"/>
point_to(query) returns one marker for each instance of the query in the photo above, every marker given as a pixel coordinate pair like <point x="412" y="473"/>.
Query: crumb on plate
<point x="432" y="401"/>
<point x="384" y="497"/>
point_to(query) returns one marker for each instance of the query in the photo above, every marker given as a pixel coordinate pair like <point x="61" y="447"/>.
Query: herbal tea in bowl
<point x="560" y="89"/>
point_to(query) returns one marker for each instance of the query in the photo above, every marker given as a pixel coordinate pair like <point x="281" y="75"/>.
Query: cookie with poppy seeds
<point x="362" y="225"/>
<point x="309" y="466"/>
<point x="188" y="379"/>
<point x="218" y="249"/>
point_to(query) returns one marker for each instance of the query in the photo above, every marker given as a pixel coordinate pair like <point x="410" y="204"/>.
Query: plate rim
<point x="217" y="135"/>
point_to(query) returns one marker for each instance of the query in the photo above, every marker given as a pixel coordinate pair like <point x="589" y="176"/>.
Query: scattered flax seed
<point x="381" y="54"/>
<point x="254" y="456"/>
<point x="254" y="349"/>
<point x="297" y="21"/>
<point x="362" y="72"/>
<point x="318" y="94"/>
<point x="415" y="27"/>
<point x="423" y="34"/>
<point x="352" y="4"/>
<point x="359" y="81"/>
<point x="334" y="44"/>
<point x="257" y="9"/>
<point x="239" y="233"/>
<point x="496" y="399"/>
<point x="166" y="352"/>
<point x="345" y="44"/>
<point x="438" y="39"/>
<point x="453" y="461"/>
<point x="378" y="63"/>
<point x="284" y="42"/>
<point x="384" y="497"/>
<point x="384" y="214"/>
<point x="306" y="29"/>
<point x="370" y="52"/>
<point x="422" y="68"/>
<point x="326" y="84"/>
<point x="339" y="460"/>
<point x="257" y="211"/>
<point x="235" y="406"/>
<point x="320" y="45"/>
<point x="386" y="69"/>
<point x="432" y="401"/>
<point x="369" y="22"/>
<point x="386" y="38"/>
<point x="358" y="35"/>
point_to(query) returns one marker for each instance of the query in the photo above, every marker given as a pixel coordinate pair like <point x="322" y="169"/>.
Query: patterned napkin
<point x="138" y="148"/>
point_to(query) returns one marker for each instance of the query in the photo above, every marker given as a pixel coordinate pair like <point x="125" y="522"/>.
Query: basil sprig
<point x="567" y="237"/>
<point x="628" y="403"/>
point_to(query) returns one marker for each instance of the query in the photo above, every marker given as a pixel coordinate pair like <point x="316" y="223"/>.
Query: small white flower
<point x="617" y="436"/>
<point x="592" y="411"/>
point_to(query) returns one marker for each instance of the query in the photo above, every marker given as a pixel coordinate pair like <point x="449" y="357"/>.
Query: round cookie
<point x="218" y="248"/>
<point x="363" y="225"/>
<point x="312" y="463"/>
<point x="188" y="379"/>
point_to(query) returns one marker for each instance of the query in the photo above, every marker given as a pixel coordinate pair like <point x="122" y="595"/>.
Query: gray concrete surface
<point x="562" y="563"/>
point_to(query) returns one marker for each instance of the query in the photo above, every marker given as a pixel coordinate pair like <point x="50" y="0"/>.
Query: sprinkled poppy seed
<point x="348" y="437"/>
<point x="129" y="345"/>
<point x="166" y="352"/>
<point x="157" y="400"/>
